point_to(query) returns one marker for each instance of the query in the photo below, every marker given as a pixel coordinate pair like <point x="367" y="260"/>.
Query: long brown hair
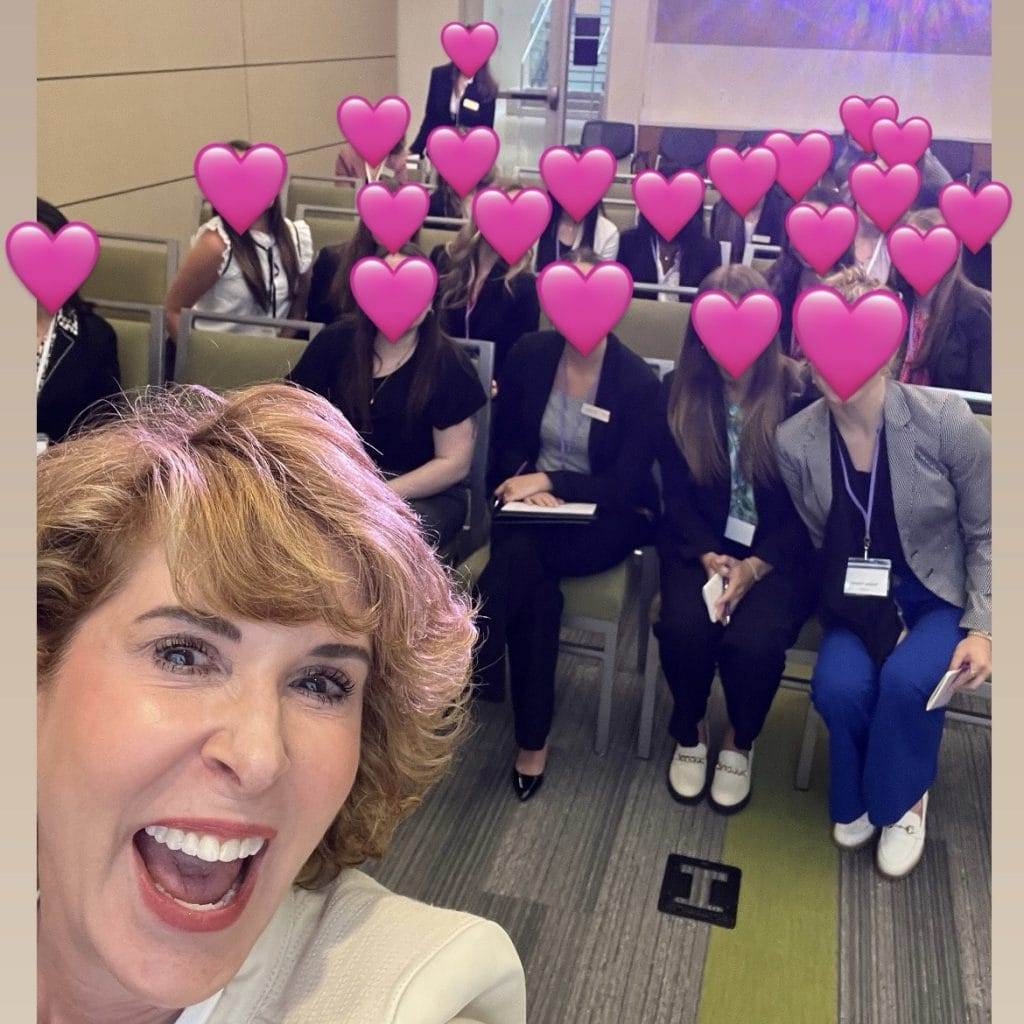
<point x="361" y="244"/>
<point x="355" y="372"/>
<point x="696" y="404"/>
<point x="948" y="296"/>
<point x="463" y="252"/>
<point x="483" y="80"/>
<point x="244" y="246"/>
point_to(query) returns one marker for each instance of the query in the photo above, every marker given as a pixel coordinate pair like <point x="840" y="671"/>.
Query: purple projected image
<point x="905" y="26"/>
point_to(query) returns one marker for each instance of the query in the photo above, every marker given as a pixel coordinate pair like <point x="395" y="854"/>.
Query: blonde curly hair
<point x="269" y="509"/>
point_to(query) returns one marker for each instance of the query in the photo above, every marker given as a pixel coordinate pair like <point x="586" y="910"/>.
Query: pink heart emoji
<point x="847" y="344"/>
<point x="52" y="267"/>
<point x="668" y="204"/>
<point x="373" y="130"/>
<point x="801" y="162"/>
<point x="901" y="143"/>
<point x="859" y="114"/>
<point x="821" y="238"/>
<point x="512" y="224"/>
<point x="975" y="216"/>
<point x="462" y="160"/>
<point x="584" y="308"/>
<point x="240" y="187"/>
<point x="884" y="195"/>
<point x="742" y="180"/>
<point x="393" y="298"/>
<point x="393" y="217"/>
<point x="735" y="334"/>
<point x="923" y="259"/>
<point x="469" y="48"/>
<point x="577" y="182"/>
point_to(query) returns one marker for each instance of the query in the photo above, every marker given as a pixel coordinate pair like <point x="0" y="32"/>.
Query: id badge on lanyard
<point x="866" y="577"/>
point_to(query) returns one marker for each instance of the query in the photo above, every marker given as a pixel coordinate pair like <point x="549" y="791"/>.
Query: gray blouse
<point x="564" y="435"/>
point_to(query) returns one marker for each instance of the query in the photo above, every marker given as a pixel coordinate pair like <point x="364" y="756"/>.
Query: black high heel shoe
<point x="525" y="785"/>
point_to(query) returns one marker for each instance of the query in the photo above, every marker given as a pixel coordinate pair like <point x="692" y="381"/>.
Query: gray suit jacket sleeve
<point x="967" y="453"/>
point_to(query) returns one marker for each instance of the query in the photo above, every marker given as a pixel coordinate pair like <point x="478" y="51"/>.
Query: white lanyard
<point x="44" y="356"/>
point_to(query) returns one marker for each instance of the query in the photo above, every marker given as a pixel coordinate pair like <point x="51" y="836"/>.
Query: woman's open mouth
<point x="195" y="880"/>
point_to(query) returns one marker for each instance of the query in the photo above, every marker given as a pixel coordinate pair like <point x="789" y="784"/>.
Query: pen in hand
<point x="499" y="500"/>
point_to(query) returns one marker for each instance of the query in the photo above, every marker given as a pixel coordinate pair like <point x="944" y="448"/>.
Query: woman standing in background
<point x="455" y="100"/>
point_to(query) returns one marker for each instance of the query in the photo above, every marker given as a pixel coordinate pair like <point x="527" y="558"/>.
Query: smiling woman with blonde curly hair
<point x="251" y="668"/>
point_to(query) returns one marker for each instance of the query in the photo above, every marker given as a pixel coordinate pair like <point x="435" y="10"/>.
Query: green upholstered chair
<point x="654" y="329"/>
<point x="327" y="225"/>
<point x="132" y="268"/>
<point x="307" y="190"/>
<point x="140" y="331"/>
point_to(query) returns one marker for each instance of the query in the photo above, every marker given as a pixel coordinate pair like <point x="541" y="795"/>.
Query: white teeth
<point x="203" y="846"/>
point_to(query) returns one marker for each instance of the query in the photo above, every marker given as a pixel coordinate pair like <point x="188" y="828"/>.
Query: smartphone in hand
<point x="713" y="591"/>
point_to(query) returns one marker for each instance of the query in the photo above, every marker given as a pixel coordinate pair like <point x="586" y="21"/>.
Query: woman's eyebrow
<point x="211" y="622"/>
<point x="341" y="651"/>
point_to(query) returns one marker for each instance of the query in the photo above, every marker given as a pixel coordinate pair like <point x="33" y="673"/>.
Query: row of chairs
<point x="593" y="604"/>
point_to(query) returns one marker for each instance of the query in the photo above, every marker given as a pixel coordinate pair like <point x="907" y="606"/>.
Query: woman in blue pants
<point x="894" y="485"/>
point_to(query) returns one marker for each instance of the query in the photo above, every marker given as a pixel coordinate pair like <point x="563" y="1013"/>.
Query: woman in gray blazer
<point x="894" y="485"/>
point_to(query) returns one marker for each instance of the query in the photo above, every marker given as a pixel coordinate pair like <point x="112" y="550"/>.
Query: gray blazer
<point x="940" y="460"/>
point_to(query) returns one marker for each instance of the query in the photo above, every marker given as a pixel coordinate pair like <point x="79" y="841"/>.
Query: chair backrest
<point x="430" y="237"/>
<point x="621" y="212"/>
<point x="481" y="354"/>
<point x="618" y="136"/>
<point x="132" y="268"/>
<point x="141" y="333"/>
<point x="755" y="253"/>
<point x="221" y="360"/>
<point x="686" y="147"/>
<point x="654" y="329"/>
<point x="328" y="225"/>
<point x="339" y="193"/>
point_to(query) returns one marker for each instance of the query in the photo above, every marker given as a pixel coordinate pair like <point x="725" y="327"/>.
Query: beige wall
<point x="129" y="90"/>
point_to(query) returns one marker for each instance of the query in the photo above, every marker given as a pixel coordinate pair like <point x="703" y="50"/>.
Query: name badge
<point x="739" y="531"/>
<point x="471" y="104"/>
<point x="595" y="412"/>
<point x="867" y="577"/>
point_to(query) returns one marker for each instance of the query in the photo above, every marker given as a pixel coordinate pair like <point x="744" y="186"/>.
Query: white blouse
<point x="230" y="296"/>
<point x="199" y="1013"/>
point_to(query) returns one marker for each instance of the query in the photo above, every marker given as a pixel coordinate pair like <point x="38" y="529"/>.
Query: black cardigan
<point x="621" y="451"/>
<point x="963" y="359"/>
<point x="82" y="369"/>
<point x="636" y="255"/>
<point x="500" y="315"/>
<point x="694" y="517"/>
<point x="438" y="112"/>
<point x="727" y="224"/>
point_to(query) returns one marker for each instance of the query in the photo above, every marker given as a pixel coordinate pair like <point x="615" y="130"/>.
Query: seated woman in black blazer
<point x="457" y="101"/>
<point x="76" y="355"/>
<point x="949" y="338"/>
<point x="567" y="427"/>
<point x="684" y="261"/>
<point x="727" y="512"/>
<point x="413" y="401"/>
<point x="481" y="297"/>
<point x="790" y="274"/>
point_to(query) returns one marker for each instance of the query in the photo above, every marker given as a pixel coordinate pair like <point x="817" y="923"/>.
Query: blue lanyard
<point x="865" y="512"/>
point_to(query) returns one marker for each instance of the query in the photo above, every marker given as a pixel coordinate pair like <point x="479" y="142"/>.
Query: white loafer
<point x="902" y="844"/>
<point x="688" y="773"/>
<point x="730" y="787"/>
<point x="854" y="835"/>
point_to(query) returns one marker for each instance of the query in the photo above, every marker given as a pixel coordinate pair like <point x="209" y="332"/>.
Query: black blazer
<point x="438" y="113"/>
<point x="694" y="517"/>
<point x="82" y="369"/>
<point x="319" y="307"/>
<point x="499" y="315"/>
<point x="963" y="359"/>
<point x="621" y="451"/>
<point x="727" y="224"/>
<point x="697" y="260"/>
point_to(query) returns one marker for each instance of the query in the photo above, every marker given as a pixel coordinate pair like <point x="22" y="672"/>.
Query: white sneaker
<point x="688" y="773"/>
<point x="730" y="787"/>
<point x="902" y="844"/>
<point x="854" y="834"/>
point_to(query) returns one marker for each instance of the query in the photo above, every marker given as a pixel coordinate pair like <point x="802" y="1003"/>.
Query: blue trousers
<point x="883" y="745"/>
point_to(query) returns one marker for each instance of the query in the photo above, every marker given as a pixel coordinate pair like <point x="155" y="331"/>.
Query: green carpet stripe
<point x="780" y="963"/>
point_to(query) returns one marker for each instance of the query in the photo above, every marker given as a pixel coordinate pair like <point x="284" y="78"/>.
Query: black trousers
<point x="522" y="606"/>
<point x="749" y="653"/>
<point x="442" y="515"/>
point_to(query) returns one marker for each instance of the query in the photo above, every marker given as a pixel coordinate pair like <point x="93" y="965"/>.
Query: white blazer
<point x="356" y="953"/>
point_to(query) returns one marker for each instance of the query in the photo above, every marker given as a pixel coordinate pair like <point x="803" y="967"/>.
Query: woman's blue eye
<point x="183" y="654"/>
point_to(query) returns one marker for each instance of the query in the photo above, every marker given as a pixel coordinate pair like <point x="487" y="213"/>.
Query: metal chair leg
<point x="807" y="745"/>
<point x="643" y="743"/>
<point x="604" y="706"/>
